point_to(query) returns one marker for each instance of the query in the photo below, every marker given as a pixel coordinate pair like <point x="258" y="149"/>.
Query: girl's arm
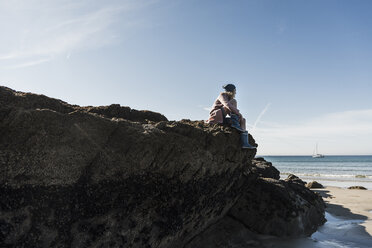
<point x="229" y="104"/>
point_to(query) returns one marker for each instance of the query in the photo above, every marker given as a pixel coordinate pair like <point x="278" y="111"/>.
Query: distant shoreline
<point x="340" y="171"/>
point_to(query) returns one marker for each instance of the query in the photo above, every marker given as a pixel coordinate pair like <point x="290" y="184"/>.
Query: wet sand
<point x="351" y="204"/>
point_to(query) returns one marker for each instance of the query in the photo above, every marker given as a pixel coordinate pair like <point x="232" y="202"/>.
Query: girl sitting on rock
<point x="224" y="105"/>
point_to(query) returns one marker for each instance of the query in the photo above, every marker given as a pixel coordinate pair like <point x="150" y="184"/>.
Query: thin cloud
<point x="260" y="116"/>
<point x="72" y="34"/>
<point x="30" y="63"/>
<point x="55" y="28"/>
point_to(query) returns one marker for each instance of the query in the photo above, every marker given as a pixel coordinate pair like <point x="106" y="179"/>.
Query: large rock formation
<point x="115" y="177"/>
<point x="284" y="208"/>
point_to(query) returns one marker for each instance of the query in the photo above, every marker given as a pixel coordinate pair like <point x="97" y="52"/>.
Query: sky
<point x="303" y="69"/>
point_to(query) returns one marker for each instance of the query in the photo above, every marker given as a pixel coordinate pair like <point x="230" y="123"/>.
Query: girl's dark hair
<point x="229" y="87"/>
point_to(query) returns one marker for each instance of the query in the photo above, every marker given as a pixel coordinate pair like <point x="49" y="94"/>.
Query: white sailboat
<point x="316" y="154"/>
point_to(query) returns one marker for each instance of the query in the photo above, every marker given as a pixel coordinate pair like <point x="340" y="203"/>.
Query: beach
<point x="349" y="204"/>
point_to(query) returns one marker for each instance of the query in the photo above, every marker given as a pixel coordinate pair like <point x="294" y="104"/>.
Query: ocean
<point x="340" y="171"/>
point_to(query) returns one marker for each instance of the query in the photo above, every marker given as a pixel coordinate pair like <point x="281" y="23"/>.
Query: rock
<point x="295" y="179"/>
<point x="271" y="207"/>
<point x="227" y="232"/>
<point x="357" y="187"/>
<point x="111" y="176"/>
<point x="117" y="111"/>
<point x="77" y="176"/>
<point x="279" y="208"/>
<point x="264" y="168"/>
<point x="314" y="185"/>
<point x="28" y="101"/>
<point x="260" y="159"/>
<point x="15" y="99"/>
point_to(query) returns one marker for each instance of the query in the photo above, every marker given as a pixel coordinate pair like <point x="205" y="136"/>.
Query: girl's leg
<point x="242" y="123"/>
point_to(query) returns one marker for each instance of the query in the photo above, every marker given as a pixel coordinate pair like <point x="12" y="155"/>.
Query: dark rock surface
<point x="294" y="178"/>
<point x="227" y="232"/>
<point x="115" y="177"/>
<point x="28" y="101"/>
<point x="314" y="185"/>
<point x="357" y="187"/>
<point x="264" y="168"/>
<point x="281" y="208"/>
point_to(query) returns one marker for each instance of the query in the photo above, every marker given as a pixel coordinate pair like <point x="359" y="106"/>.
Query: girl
<point x="224" y="105"/>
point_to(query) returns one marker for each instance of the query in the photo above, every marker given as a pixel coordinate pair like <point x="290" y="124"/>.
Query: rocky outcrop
<point x="264" y="169"/>
<point x="28" y="101"/>
<point x="357" y="187"/>
<point x="115" y="177"/>
<point x="314" y="185"/>
<point x="280" y="208"/>
<point x="283" y="208"/>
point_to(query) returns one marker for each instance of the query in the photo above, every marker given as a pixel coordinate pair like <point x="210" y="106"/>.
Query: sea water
<point x="335" y="233"/>
<point x="341" y="171"/>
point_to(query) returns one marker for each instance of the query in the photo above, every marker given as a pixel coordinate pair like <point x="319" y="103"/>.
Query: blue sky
<point x="302" y="68"/>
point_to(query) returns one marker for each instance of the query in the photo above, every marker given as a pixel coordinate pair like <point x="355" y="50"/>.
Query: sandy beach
<point x="350" y="204"/>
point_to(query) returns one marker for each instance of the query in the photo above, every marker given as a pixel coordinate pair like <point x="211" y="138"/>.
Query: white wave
<point x="335" y="176"/>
